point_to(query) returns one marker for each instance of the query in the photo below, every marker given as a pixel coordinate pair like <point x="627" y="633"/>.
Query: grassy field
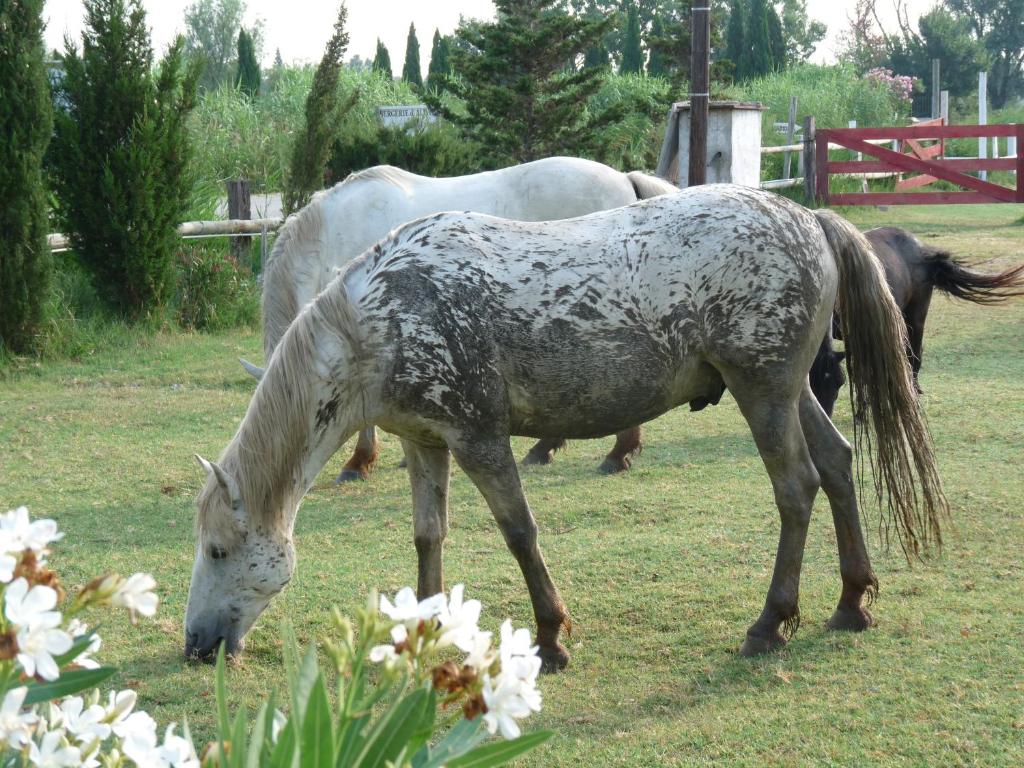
<point x="663" y="568"/>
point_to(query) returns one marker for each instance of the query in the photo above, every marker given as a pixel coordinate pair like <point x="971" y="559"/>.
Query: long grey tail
<point x="647" y="186"/>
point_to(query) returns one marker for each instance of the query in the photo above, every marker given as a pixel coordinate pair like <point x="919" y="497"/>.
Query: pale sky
<point x="301" y="28"/>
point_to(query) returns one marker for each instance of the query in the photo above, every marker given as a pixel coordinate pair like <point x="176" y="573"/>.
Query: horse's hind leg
<point x="491" y="466"/>
<point x="543" y="451"/>
<point x="914" y="315"/>
<point x="627" y="445"/>
<point x="775" y="424"/>
<point x="833" y="459"/>
<point x="363" y="457"/>
<point x="429" y="472"/>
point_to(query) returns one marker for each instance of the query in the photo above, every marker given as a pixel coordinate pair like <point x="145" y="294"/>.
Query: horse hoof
<point x="349" y="475"/>
<point x="403" y="463"/>
<point x="850" y="620"/>
<point x="612" y="466"/>
<point x="553" y="658"/>
<point x="759" y="645"/>
<point x="538" y="459"/>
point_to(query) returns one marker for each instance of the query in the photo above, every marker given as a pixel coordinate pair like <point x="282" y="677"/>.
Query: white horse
<point x="460" y="330"/>
<point x="340" y="223"/>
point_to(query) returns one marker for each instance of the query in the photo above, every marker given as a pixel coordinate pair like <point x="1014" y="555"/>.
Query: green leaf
<point x="307" y="677"/>
<point x="238" y="744"/>
<point x="68" y="683"/>
<point x="77" y="647"/>
<point x="317" y="746"/>
<point x="461" y="738"/>
<point x="393" y="731"/>
<point x="223" y="721"/>
<point x="350" y="739"/>
<point x="259" y="735"/>
<point x="500" y="752"/>
<point x="286" y="751"/>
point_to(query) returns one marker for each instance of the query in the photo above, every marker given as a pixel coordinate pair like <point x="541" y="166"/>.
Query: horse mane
<point x="266" y="452"/>
<point x="387" y="173"/>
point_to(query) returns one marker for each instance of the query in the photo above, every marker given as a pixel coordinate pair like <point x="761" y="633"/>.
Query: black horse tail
<point x="953" y="277"/>
<point x="893" y="431"/>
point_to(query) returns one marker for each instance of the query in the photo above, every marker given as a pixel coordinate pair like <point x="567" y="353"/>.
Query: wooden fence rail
<point x="199" y="229"/>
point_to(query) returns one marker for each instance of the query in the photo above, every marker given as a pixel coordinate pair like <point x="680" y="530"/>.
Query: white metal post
<point x="983" y="117"/>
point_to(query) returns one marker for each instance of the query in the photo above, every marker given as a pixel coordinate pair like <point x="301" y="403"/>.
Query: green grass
<point x="662" y="568"/>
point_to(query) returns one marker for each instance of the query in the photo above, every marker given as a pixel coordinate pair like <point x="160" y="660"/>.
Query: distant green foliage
<point x="657" y="65"/>
<point x="633" y="142"/>
<point x="440" y="63"/>
<point x="514" y="95"/>
<point x="432" y="150"/>
<point x="756" y="57"/>
<point x="632" y="62"/>
<point x="26" y="120"/>
<point x="324" y="111"/>
<point x="120" y="156"/>
<point x="214" y="292"/>
<point x="411" y="68"/>
<point x="382" y="61"/>
<point x="247" y="75"/>
<point x="211" y="29"/>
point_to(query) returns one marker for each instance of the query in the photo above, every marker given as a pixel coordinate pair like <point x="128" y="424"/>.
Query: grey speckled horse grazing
<point x="460" y="330"/>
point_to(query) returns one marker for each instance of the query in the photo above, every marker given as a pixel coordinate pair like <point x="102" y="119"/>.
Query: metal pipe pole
<point x="700" y="77"/>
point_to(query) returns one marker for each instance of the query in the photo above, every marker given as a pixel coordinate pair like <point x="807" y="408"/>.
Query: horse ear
<point x="224" y="480"/>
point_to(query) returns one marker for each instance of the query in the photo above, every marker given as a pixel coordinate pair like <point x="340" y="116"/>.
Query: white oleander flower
<point x="7" y="565"/>
<point x="19" y="533"/>
<point x="481" y="655"/>
<point x="408" y="608"/>
<point x="515" y="643"/>
<point x="136" y="727"/>
<point x="136" y="594"/>
<point x="53" y="752"/>
<point x="177" y="751"/>
<point x="459" y="621"/>
<point x="508" y="698"/>
<point x="15" y="725"/>
<point x="77" y="629"/>
<point x="24" y="607"/>
<point x="84" y="723"/>
<point x="119" y="706"/>
<point x="41" y="640"/>
<point x="387" y="652"/>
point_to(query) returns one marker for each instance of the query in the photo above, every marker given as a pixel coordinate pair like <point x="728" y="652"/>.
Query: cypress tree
<point x="411" y="68"/>
<point x="518" y="100"/>
<point x="632" y="56"/>
<point x="25" y="123"/>
<point x="756" y="59"/>
<point x="776" y="42"/>
<point x="120" y="155"/>
<point x="656" y="66"/>
<point x="382" y="61"/>
<point x="735" y="39"/>
<point x="324" y="111"/>
<point x="247" y="78"/>
<point x="440" y="65"/>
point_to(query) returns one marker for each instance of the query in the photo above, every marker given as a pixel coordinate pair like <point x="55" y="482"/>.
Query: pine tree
<point x="656" y="64"/>
<point x="756" y="58"/>
<point x="324" y="112"/>
<point x="411" y="68"/>
<point x="120" y="155"/>
<point x="776" y="42"/>
<point x="518" y="100"/>
<point x="735" y="39"/>
<point x="247" y="78"/>
<point x="382" y="61"/>
<point x="440" y="65"/>
<point x="26" y="120"/>
<point x="632" y="56"/>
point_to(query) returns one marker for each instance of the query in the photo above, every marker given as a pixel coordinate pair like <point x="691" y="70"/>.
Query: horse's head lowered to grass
<point x="237" y="569"/>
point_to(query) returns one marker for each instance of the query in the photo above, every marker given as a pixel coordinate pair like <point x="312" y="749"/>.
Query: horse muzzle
<point x="202" y="641"/>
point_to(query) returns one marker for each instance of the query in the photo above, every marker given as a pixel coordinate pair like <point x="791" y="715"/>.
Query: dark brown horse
<point x="913" y="271"/>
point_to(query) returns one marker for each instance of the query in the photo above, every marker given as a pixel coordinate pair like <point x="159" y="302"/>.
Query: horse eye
<point x="218" y="553"/>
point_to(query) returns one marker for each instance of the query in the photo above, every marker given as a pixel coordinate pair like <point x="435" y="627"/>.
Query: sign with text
<point x="401" y="115"/>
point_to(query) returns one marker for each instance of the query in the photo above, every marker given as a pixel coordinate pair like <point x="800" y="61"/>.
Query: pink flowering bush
<point x="901" y="87"/>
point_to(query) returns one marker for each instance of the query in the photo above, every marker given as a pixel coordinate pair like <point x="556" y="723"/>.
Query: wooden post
<point x="935" y="88"/>
<point x="944" y="106"/>
<point x="1018" y="145"/>
<point x="810" y="172"/>
<point x="700" y="64"/>
<point x="239" y="207"/>
<point x="983" y="118"/>
<point x="790" y="132"/>
<point x="263" y="249"/>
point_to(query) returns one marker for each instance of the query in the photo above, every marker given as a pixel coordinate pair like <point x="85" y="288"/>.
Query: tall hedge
<point x="25" y="125"/>
<point x="120" y="156"/>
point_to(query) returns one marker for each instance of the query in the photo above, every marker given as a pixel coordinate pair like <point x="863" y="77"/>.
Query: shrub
<point x="25" y="123"/>
<point x="431" y="150"/>
<point x="632" y="142"/>
<point x="214" y="292"/>
<point x="120" y="156"/>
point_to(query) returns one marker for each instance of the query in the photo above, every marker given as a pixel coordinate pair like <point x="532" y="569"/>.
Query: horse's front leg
<point x="490" y="464"/>
<point x="429" y="473"/>
<point x="363" y="457"/>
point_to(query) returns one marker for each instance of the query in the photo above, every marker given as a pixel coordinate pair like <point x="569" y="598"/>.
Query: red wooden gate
<point x="954" y="170"/>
